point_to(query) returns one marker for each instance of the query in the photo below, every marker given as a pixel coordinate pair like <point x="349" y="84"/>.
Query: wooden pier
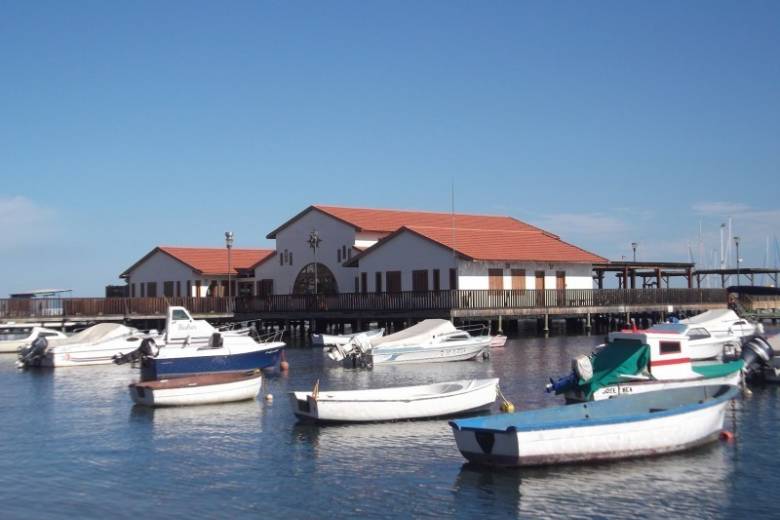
<point x="320" y="311"/>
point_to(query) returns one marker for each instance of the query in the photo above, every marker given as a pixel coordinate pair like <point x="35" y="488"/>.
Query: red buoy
<point x="727" y="436"/>
<point x="284" y="366"/>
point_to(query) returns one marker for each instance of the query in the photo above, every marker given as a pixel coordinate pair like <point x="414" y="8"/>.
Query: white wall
<point x="294" y="239"/>
<point x="407" y="252"/>
<point x="474" y="275"/>
<point x="161" y="267"/>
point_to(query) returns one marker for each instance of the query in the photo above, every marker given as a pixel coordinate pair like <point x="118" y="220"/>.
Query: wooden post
<point x="587" y="323"/>
<point x="500" y="329"/>
<point x="546" y="324"/>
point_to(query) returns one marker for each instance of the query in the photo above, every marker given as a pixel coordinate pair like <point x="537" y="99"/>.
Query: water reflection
<point x="690" y="484"/>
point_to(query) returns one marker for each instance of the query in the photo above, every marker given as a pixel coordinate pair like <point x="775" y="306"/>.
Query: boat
<point x="712" y="332"/>
<point x="396" y="403"/>
<point x="95" y="345"/>
<point x="651" y="423"/>
<point x="189" y="346"/>
<point x="635" y="361"/>
<point x="332" y="339"/>
<point x="197" y="389"/>
<point x="13" y="336"/>
<point x="497" y="341"/>
<point x="433" y="340"/>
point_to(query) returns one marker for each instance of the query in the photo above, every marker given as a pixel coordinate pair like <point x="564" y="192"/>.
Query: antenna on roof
<point x="452" y="231"/>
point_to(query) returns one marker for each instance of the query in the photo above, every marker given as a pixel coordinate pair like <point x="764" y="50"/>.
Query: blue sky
<point x="128" y="125"/>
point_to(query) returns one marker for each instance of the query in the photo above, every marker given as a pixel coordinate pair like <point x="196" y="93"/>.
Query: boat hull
<point x="198" y="390"/>
<point x="372" y="407"/>
<point x="429" y="354"/>
<point x="639" y="436"/>
<point x="638" y="387"/>
<point x="185" y="365"/>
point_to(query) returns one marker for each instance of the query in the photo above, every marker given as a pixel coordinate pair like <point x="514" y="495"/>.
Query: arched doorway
<point x="326" y="282"/>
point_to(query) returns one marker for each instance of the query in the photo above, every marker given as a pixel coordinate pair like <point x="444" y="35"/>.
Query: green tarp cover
<point x="617" y="358"/>
<point x="719" y="369"/>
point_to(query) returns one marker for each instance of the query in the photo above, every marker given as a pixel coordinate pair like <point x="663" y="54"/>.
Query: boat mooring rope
<point x="506" y="404"/>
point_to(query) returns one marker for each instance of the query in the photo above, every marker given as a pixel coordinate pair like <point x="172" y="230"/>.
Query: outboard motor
<point x="216" y="340"/>
<point x="148" y="348"/>
<point x="562" y="384"/>
<point x="756" y="353"/>
<point x="33" y="354"/>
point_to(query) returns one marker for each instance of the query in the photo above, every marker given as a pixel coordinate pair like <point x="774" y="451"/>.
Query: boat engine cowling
<point x="148" y="348"/>
<point x="582" y="367"/>
<point x="756" y="352"/>
<point x="33" y="354"/>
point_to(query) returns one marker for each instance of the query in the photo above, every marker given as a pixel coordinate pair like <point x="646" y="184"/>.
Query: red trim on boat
<point x="675" y="361"/>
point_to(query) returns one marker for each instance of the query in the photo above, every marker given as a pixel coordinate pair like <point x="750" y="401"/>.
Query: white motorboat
<point x="398" y="403"/>
<point x="95" y="345"/>
<point x="197" y="389"/>
<point x="710" y="332"/>
<point x="189" y="346"/>
<point x="13" y="336"/>
<point x="647" y="424"/>
<point x="429" y="341"/>
<point x="343" y="339"/>
<point x="635" y="361"/>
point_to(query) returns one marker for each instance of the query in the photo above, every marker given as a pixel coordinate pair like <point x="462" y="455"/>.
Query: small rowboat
<point x="197" y="389"/>
<point x="650" y="423"/>
<point x="497" y="341"/>
<point x="398" y="403"/>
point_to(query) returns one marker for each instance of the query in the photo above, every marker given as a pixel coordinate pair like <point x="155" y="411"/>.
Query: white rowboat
<point x="398" y="403"/>
<point x="646" y="424"/>
<point x="198" y="389"/>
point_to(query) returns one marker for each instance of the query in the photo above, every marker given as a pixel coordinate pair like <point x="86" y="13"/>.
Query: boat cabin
<point x="180" y="326"/>
<point x="669" y="350"/>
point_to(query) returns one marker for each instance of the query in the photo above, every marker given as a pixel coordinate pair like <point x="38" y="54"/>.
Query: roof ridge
<point x="429" y="212"/>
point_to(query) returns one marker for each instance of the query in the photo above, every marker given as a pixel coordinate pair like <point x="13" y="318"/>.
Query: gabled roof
<point x="495" y="245"/>
<point x="211" y="261"/>
<point x="389" y="220"/>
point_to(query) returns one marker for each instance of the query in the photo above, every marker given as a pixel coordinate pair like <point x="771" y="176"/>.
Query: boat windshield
<point x="14" y="333"/>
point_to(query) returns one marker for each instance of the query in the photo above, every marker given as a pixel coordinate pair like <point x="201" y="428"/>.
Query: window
<point x="151" y="290"/>
<point x="265" y="287"/>
<point x="143" y="290"/>
<point x="179" y="315"/>
<point x="357" y="284"/>
<point x="343" y="251"/>
<point x="436" y="281"/>
<point x="364" y="283"/>
<point x="281" y="259"/>
<point x="338" y="255"/>
<point x="178" y="288"/>
<point x="420" y="280"/>
<point x="349" y="253"/>
<point x="453" y="278"/>
<point x="132" y="290"/>
<point x="168" y="289"/>
<point x="197" y="289"/>
<point x="291" y="260"/>
<point x="378" y="282"/>
<point x="699" y="333"/>
<point x="669" y="347"/>
<point x="393" y="281"/>
<point x="189" y="289"/>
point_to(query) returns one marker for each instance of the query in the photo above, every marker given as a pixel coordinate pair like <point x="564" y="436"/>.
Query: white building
<point x="194" y="272"/>
<point x="376" y="250"/>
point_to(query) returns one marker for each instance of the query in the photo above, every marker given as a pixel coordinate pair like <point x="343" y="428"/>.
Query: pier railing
<point x="478" y="300"/>
<point x="63" y="308"/>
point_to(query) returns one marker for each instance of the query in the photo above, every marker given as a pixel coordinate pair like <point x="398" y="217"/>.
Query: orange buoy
<point x="727" y="436"/>
<point x="284" y="366"/>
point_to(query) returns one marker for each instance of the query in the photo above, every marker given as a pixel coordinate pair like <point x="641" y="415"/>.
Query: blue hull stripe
<point x="153" y="368"/>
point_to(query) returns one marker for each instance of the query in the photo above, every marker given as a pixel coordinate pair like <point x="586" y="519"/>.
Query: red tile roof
<point x="389" y="220"/>
<point x="211" y="260"/>
<point x="498" y="245"/>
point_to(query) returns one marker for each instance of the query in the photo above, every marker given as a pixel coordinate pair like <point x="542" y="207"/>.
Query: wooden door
<point x="560" y="287"/>
<point x="518" y="279"/>
<point x="539" y="288"/>
<point x="496" y="279"/>
<point x="393" y="279"/>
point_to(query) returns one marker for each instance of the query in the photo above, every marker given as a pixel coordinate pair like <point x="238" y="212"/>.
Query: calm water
<point x="73" y="445"/>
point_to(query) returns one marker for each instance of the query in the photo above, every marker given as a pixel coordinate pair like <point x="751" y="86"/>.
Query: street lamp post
<point x="736" y="243"/>
<point x="634" y="246"/>
<point x="229" y="246"/>
<point x="314" y="242"/>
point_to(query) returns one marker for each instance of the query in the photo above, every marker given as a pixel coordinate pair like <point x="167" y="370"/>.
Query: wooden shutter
<point x="518" y="279"/>
<point x="495" y="279"/>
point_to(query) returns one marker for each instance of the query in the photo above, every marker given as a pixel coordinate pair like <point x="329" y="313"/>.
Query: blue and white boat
<point x="650" y="423"/>
<point x="190" y="346"/>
